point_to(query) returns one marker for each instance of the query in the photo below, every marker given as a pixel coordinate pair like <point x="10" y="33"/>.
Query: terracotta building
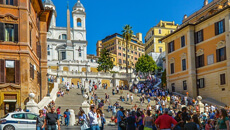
<point x="198" y="53"/>
<point x="23" y="55"/>
<point x="116" y="46"/>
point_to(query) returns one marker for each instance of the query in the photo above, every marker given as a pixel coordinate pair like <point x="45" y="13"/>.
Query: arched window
<point x="78" y="22"/>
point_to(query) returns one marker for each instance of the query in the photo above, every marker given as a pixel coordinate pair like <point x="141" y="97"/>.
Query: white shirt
<point x="157" y="107"/>
<point x="67" y="87"/>
<point x="92" y="118"/>
<point x="127" y="95"/>
<point x="131" y="97"/>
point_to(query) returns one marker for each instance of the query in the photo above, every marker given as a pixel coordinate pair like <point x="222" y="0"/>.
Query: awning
<point x="9" y="100"/>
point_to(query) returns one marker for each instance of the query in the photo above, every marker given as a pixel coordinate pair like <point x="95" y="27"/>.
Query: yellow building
<point x="99" y="47"/>
<point x="117" y="47"/>
<point x="162" y="29"/>
<point x="197" y="53"/>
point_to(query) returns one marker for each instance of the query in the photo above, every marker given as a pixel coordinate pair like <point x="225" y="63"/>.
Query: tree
<point x="127" y="34"/>
<point x="164" y="79"/>
<point x="105" y="61"/>
<point x="145" y="64"/>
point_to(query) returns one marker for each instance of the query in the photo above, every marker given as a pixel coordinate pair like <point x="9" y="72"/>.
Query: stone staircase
<point x="74" y="99"/>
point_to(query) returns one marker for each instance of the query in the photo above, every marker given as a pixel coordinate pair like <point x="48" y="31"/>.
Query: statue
<point x="200" y="104"/>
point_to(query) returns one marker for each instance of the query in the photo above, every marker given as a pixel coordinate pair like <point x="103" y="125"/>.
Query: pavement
<point x="78" y="128"/>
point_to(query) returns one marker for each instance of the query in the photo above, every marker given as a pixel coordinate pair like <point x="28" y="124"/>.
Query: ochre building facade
<point x="198" y="56"/>
<point x="23" y="55"/>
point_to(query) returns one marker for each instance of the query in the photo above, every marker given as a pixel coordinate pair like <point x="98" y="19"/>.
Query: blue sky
<point x="105" y="17"/>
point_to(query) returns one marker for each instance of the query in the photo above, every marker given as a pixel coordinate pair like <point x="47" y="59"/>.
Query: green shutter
<point x="2" y="31"/>
<point x="15" y="32"/>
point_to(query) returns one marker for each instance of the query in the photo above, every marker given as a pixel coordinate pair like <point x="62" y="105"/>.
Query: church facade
<point x="65" y="43"/>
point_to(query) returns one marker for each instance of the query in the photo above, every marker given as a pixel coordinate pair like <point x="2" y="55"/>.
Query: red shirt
<point x="165" y="121"/>
<point x="58" y="111"/>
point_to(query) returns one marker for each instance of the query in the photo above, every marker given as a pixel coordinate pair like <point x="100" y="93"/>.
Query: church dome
<point x="78" y="5"/>
<point x="48" y="2"/>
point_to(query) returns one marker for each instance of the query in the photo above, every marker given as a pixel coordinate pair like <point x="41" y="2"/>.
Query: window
<point x="171" y="47"/>
<point x="48" y="47"/>
<point x="221" y="54"/>
<point x="31" y="116"/>
<point x="200" y="61"/>
<point x="135" y="53"/>
<point x="9" y="2"/>
<point x="124" y="61"/>
<point x="128" y="56"/>
<point x="222" y="79"/>
<point x="132" y="52"/>
<point x="79" y="22"/>
<point x="220" y="27"/>
<point x="183" y="64"/>
<point x="63" y="55"/>
<point x="173" y="87"/>
<point x="10" y="71"/>
<point x="184" y="85"/>
<point x="64" y="36"/>
<point x="160" y="41"/>
<point x="123" y="55"/>
<point x="159" y="31"/>
<point x="119" y="61"/>
<point x="123" y="49"/>
<point x="119" y="48"/>
<point x="200" y="83"/>
<point x="199" y="36"/>
<point x="139" y="54"/>
<point x="135" y="58"/>
<point x="113" y="59"/>
<point x="171" y="31"/>
<point x="31" y="71"/>
<point x="182" y="40"/>
<point x="172" y="68"/>
<point x="160" y="49"/>
<point x="8" y="32"/>
<point x="119" y="54"/>
<point x="48" y="53"/>
<point x="210" y="59"/>
<point x="79" y="54"/>
<point x="18" y="116"/>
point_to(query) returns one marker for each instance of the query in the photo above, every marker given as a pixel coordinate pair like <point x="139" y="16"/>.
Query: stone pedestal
<point x="86" y="85"/>
<point x="32" y="106"/>
<point x="200" y="104"/>
<point x="72" y="118"/>
<point x="85" y="105"/>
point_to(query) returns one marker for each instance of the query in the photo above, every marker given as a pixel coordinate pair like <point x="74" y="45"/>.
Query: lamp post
<point x="48" y="93"/>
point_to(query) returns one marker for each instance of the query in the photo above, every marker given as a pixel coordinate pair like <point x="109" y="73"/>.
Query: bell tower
<point x="79" y="24"/>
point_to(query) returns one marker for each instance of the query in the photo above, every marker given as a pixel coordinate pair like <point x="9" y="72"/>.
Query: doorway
<point x="9" y="107"/>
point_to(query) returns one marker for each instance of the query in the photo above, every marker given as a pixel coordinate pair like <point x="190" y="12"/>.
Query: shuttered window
<point x="39" y="78"/>
<point x="200" y="61"/>
<point x="220" y="27"/>
<point x="199" y="37"/>
<point x="171" y="47"/>
<point x="2" y="71"/>
<point x="9" y="2"/>
<point x="8" y="32"/>
<point x="9" y="71"/>
<point x="38" y="50"/>
<point x="200" y="83"/>
<point x="221" y="54"/>
<point x="222" y="79"/>
<point x="31" y="71"/>
<point x="172" y="68"/>
<point x="185" y="85"/>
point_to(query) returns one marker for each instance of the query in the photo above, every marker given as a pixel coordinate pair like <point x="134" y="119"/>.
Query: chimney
<point x="205" y="2"/>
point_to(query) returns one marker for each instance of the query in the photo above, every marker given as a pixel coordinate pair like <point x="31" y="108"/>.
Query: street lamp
<point x="48" y="93"/>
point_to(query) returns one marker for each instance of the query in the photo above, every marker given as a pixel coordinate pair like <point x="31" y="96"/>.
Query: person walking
<point x="117" y="89"/>
<point x="67" y="116"/>
<point x="191" y="125"/>
<point x="78" y="85"/>
<point x="82" y="90"/>
<point x="40" y="121"/>
<point x="131" y="99"/>
<point x="67" y="88"/>
<point x="51" y="120"/>
<point x="131" y="121"/>
<point x="93" y="119"/>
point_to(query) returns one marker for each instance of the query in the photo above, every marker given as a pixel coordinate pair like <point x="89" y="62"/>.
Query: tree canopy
<point x="105" y="61"/>
<point x="145" y="64"/>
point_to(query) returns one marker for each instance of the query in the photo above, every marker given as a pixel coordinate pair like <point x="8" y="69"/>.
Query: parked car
<point x="18" y="121"/>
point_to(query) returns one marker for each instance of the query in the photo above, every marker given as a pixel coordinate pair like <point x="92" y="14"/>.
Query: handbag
<point x="122" y="124"/>
<point x="85" y="126"/>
